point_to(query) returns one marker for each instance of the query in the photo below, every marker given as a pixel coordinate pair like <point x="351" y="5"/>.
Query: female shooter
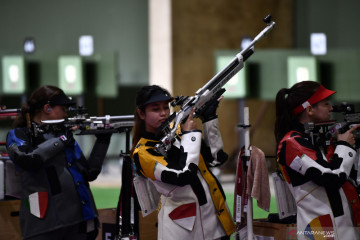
<point x="56" y="200"/>
<point x="327" y="204"/>
<point x="193" y="203"/>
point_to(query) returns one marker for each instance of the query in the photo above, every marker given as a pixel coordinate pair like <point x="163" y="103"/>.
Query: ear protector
<point x="48" y="109"/>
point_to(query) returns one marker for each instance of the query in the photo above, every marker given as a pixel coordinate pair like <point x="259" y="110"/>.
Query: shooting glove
<point x="209" y="113"/>
<point x="103" y="137"/>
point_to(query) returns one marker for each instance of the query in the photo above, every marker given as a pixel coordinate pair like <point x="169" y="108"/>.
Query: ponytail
<point x="286" y="101"/>
<point x="283" y="115"/>
<point x="138" y="130"/>
<point x="35" y="103"/>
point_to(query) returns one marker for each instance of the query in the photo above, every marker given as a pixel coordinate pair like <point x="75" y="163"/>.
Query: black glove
<point x="103" y="137"/>
<point x="209" y="113"/>
<point x="27" y="161"/>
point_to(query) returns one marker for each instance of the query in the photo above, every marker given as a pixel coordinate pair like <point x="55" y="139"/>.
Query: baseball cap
<point x="155" y="94"/>
<point x="61" y="99"/>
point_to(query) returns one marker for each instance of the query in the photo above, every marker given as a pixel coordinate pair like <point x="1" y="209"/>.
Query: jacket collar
<point x="299" y="127"/>
<point x="151" y="136"/>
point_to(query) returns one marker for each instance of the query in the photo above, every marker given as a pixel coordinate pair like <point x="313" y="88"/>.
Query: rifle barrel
<point x="9" y="112"/>
<point x="269" y="27"/>
<point x="114" y="118"/>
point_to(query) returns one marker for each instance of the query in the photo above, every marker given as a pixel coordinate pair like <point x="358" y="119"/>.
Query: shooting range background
<point x="199" y="29"/>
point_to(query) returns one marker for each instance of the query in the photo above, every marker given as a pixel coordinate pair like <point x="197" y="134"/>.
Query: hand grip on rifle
<point x="348" y="136"/>
<point x="209" y="110"/>
<point x="103" y="136"/>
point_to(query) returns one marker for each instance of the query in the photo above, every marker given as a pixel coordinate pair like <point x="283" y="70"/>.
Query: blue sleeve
<point x="11" y="139"/>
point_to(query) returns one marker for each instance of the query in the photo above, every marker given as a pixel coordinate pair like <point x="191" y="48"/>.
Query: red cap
<point x="318" y="96"/>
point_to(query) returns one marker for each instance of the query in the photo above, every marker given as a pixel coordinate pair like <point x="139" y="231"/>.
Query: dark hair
<point x="35" y="103"/>
<point x="142" y="96"/>
<point x="286" y="100"/>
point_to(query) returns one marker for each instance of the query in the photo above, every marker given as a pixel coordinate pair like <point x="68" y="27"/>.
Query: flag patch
<point x="38" y="204"/>
<point x="320" y="228"/>
<point x="184" y="215"/>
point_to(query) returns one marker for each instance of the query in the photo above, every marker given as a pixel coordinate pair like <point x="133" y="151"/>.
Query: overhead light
<point x="318" y="43"/>
<point x="245" y="42"/>
<point x="86" y="45"/>
<point x="29" y="45"/>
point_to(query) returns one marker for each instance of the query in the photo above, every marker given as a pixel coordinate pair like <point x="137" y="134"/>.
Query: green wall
<point x="118" y="26"/>
<point x="120" y="32"/>
<point x="338" y="19"/>
<point x="267" y="72"/>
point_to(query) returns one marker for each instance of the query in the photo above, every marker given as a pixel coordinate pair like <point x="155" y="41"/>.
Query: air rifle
<point x="87" y="125"/>
<point x="351" y="118"/>
<point x="213" y="89"/>
<point x="322" y="132"/>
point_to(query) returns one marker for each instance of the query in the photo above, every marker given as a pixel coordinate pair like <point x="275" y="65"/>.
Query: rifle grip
<point x="344" y="128"/>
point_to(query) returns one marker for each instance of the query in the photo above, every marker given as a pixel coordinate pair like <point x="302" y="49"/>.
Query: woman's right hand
<point x="190" y="123"/>
<point x="348" y="136"/>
